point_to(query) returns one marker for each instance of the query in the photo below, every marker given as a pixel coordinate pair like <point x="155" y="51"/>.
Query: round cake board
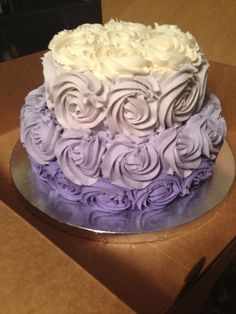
<point x="128" y="226"/>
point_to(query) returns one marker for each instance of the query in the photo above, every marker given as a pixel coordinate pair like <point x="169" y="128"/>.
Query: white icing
<point x="124" y="49"/>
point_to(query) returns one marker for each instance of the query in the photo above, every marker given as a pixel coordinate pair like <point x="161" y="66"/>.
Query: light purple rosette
<point x="79" y="154"/>
<point x="180" y="150"/>
<point x="106" y="197"/>
<point x="159" y="193"/>
<point x="188" y="151"/>
<point x="164" y="144"/>
<point x="34" y="103"/>
<point x="211" y="125"/>
<point x="130" y="162"/>
<point x="182" y="94"/>
<point x="40" y="133"/>
<point x="132" y="105"/>
<point x="214" y="128"/>
<point x="79" y="100"/>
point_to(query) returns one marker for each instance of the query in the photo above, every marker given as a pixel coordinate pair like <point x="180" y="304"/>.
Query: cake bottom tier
<point x="108" y="197"/>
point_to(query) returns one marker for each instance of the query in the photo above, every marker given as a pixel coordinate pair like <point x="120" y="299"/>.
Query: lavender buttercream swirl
<point x="79" y="154"/>
<point x="80" y="100"/>
<point x="109" y="198"/>
<point x="199" y="175"/>
<point x="212" y="126"/>
<point x="188" y="151"/>
<point x="40" y="134"/>
<point x="179" y="150"/>
<point x="182" y="94"/>
<point x="106" y="197"/>
<point x="52" y="175"/>
<point x="164" y="143"/>
<point x="60" y="183"/>
<point x="35" y="102"/>
<point x="132" y="105"/>
<point x="130" y="162"/>
<point x="159" y="193"/>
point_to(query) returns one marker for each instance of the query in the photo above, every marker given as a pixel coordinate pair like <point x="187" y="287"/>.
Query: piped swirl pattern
<point x="131" y="162"/>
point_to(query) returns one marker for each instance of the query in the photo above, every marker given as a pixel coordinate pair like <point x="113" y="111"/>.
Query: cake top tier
<point x="119" y="48"/>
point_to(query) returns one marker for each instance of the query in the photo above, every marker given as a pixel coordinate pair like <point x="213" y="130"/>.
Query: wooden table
<point x="46" y="270"/>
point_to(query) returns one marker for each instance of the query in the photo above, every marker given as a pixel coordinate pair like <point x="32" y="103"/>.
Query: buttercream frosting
<point x="137" y="105"/>
<point x="124" y="119"/>
<point x="122" y="48"/>
<point x="129" y="161"/>
<point x="107" y="197"/>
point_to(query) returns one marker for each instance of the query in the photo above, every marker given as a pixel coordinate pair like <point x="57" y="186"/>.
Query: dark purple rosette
<point x="106" y="197"/>
<point x="79" y="100"/>
<point x="40" y="169"/>
<point x="130" y="162"/>
<point x="54" y="177"/>
<point x="132" y="105"/>
<point x="40" y="133"/>
<point x="163" y="190"/>
<point x="182" y="94"/>
<point x="80" y="153"/>
<point x="64" y="186"/>
<point x="199" y="175"/>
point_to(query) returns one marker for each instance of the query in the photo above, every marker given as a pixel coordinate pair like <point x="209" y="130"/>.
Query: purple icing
<point x="79" y="154"/>
<point x="116" y="173"/>
<point x="163" y="190"/>
<point x="108" y="197"/>
<point x="133" y="106"/>
<point x="130" y="162"/>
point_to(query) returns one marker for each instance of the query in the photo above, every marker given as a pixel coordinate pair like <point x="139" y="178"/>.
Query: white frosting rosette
<point x="169" y="47"/>
<point x="133" y="106"/>
<point x="51" y="71"/>
<point x="182" y="94"/>
<point x="80" y="100"/>
<point x="123" y="49"/>
<point x="125" y="60"/>
<point x="75" y="49"/>
<point x="180" y="150"/>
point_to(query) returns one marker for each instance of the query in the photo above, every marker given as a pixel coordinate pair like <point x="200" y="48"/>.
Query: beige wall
<point x="213" y="23"/>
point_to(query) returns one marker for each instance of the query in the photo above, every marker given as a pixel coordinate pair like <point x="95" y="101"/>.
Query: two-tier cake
<point x="124" y="119"/>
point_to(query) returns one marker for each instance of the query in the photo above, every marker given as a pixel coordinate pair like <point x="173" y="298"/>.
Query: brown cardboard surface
<point x="36" y="277"/>
<point x="211" y="22"/>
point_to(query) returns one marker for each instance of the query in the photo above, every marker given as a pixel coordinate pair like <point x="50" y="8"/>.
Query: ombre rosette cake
<point x="124" y="119"/>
